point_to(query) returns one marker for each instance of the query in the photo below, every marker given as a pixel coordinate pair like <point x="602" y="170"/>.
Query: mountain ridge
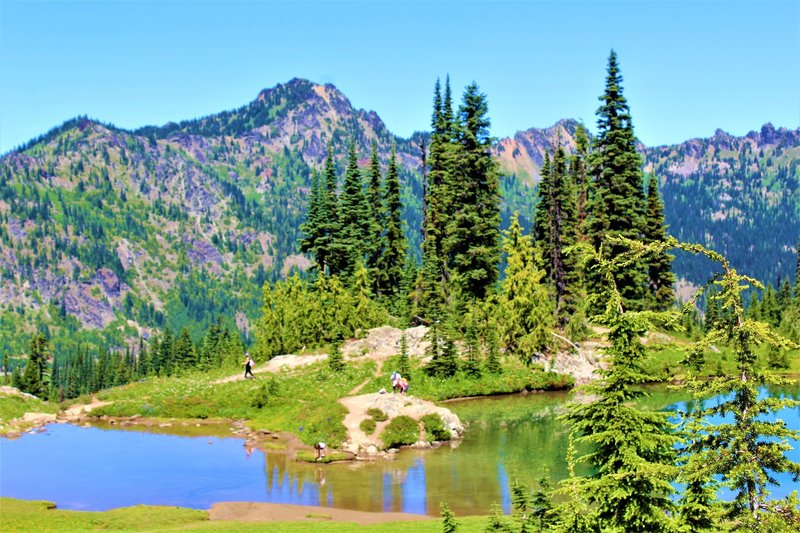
<point x="225" y="194"/>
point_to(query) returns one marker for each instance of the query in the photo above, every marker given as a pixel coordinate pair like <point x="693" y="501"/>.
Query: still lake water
<point x="508" y="438"/>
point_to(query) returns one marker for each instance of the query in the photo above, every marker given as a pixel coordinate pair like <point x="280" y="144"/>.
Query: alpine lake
<point x="507" y="438"/>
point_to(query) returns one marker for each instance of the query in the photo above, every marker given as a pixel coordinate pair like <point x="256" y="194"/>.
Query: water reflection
<point x="508" y="438"/>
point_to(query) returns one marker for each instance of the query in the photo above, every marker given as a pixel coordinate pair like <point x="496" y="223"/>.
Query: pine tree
<point x="472" y="363"/>
<point x="33" y="376"/>
<point x="433" y="276"/>
<point x="578" y="171"/>
<point x="354" y="215"/>
<point x="392" y="260"/>
<point x="184" y="351"/>
<point x="523" y="301"/>
<point x="616" y="202"/>
<point x="404" y="366"/>
<point x="449" y="524"/>
<point x="745" y="449"/>
<point x="330" y="250"/>
<point x="661" y="280"/>
<point x="336" y="359"/>
<point x="313" y="228"/>
<point x="376" y="224"/>
<point x="493" y="365"/>
<point x="473" y="229"/>
<point x="556" y="227"/>
<point x="632" y="455"/>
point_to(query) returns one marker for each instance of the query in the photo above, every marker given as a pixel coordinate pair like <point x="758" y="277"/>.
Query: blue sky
<point x="689" y="67"/>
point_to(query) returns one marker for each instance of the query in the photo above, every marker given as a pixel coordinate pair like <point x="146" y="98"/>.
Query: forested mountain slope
<point x="124" y="231"/>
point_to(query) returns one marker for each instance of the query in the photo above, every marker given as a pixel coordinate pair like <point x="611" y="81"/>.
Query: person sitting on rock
<point x="402" y="383"/>
<point x="395" y="377"/>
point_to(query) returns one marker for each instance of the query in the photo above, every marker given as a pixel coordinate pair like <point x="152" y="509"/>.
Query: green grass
<point x="40" y="516"/>
<point x="304" y="403"/>
<point x="15" y="406"/>
<point x="514" y="378"/>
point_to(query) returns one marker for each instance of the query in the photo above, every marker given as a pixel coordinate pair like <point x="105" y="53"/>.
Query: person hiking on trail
<point x="248" y="365"/>
<point x="403" y="384"/>
<point x="395" y="377"/>
<point x="320" y="447"/>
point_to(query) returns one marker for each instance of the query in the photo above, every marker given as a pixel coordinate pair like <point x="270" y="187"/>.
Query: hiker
<point x="248" y="365"/>
<point x="403" y="384"/>
<point x="320" y="447"/>
<point x="395" y="377"/>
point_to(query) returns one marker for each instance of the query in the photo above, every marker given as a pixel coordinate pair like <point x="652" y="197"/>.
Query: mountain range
<point x="116" y="230"/>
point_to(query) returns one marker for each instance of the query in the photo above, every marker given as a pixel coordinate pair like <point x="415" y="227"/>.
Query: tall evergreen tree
<point x="631" y="457"/>
<point x="556" y="226"/>
<point x="392" y="259"/>
<point x="472" y="243"/>
<point x="330" y="249"/>
<point x="354" y="215"/>
<point x="579" y="171"/>
<point x="616" y="202"/>
<point x="524" y="302"/>
<point x="184" y="351"/>
<point x="661" y="280"/>
<point x="374" y="246"/>
<point x="747" y="446"/>
<point x="313" y="228"/>
<point x="33" y="376"/>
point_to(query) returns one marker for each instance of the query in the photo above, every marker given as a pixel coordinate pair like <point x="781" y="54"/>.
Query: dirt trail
<point x="284" y="512"/>
<point x="379" y="344"/>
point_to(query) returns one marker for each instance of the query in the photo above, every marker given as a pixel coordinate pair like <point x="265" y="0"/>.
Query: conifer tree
<point x="493" y="353"/>
<point x="313" y="229"/>
<point x="392" y="259"/>
<point x="336" y="359"/>
<point x="330" y="250"/>
<point x="746" y="449"/>
<point x="472" y="363"/>
<point x="449" y="523"/>
<point x="523" y="302"/>
<point x="616" y="203"/>
<point x="661" y="280"/>
<point x="184" y="351"/>
<point x="473" y="229"/>
<point x="33" y="376"/>
<point x="404" y="367"/>
<point x="631" y="457"/>
<point x="374" y="246"/>
<point x="556" y="227"/>
<point x="578" y="172"/>
<point x="354" y="215"/>
<point x="433" y="276"/>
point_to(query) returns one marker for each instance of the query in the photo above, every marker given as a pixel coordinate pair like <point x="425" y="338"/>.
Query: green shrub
<point x="262" y="396"/>
<point x="401" y="430"/>
<point x="368" y="426"/>
<point x="377" y="414"/>
<point x="434" y="427"/>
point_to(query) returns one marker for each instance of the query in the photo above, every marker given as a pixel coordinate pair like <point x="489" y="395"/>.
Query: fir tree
<point x="330" y="249"/>
<point x="449" y="524"/>
<point x="313" y="228"/>
<point x="354" y="217"/>
<point x="473" y="229"/>
<point x="33" y="376"/>
<point x="376" y="222"/>
<point x="392" y="259"/>
<point x="745" y="449"/>
<point x="493" y="353"/>
<point x="632" y="455"/>
<point x="183" y="353"/>
<point x="616" y="203"/>
<point x="578" y="172"/>
<point x="472" y="364"/>
<point x="661" y="280"/>
<point x="556" y="226"/>
<point x="336" y="359"/>
<point x="433" y="276"/>
<point x="523" y="301"/>
<point x="404" y="366"/>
